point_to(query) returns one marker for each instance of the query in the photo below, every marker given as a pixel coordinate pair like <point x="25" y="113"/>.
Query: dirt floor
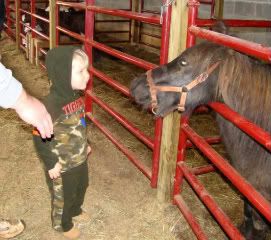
<point x="119" y="199"/>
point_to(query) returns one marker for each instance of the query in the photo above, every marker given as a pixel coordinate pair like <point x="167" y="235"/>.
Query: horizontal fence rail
<point x="244" y="46"/>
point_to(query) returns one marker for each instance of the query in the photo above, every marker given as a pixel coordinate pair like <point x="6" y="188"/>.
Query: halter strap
<point x="182" y="90"/>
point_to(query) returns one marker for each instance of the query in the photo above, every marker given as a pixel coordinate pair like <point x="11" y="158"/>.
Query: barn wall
<point x="124" y="4"/>
<point x="116" y="4"/>
<point x="233" y="9"/>
<point x="153" y="5"/>
<point x="246" y="9"/>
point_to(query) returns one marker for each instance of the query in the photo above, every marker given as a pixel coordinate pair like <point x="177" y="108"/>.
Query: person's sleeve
<point x="10" y="88"/>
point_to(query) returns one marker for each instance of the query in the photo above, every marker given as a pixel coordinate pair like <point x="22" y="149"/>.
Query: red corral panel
<point x="91" y="98"/>
<point x="188" y="137"/>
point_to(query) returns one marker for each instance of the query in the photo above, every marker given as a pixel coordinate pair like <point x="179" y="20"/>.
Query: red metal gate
<point x="114" y="32"/>
<point x="88" y="40"/>
<point x="143" y="9"/>
<point x="10" y="20"/>
<point x="187" y="133"/>
<point x="153" y="144"/>
<point x="31" y="12"/>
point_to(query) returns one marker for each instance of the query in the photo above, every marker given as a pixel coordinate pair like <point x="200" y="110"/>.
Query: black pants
<point x="68" y="192"/>
<point x="2" y="14"/>
<point x="75" y="183"/>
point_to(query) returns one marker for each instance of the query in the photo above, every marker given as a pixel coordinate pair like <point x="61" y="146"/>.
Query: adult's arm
<point x="10" y="88"/>
<point x="29" y="109"/>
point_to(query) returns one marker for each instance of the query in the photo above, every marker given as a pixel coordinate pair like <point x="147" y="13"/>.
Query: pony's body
<point x="244" y="84"/>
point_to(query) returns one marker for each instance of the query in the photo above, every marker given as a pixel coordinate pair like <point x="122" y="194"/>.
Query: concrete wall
<point x="242" y="9"/>
<point x="233" y="9"/>
<point x="246" y="9"/>
<point x="118" y="26"/>
<point x="249" y="9"/>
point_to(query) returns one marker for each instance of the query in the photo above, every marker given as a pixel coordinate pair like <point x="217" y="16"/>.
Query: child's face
<point x="80" y="75"/>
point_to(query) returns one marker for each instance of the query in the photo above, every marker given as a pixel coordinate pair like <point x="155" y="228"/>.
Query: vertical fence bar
<point x="156" y="151"/>
<point x="8" y="22"/>
<point x="18" y="17"/>
<point x="212" y="9"/>
<point x="89" y="35"/>
<point x="181" y="156"/>
<point x="193" y="6"/>
<point x="166" y="17"/>
<point x="159" y="121"/>
<point x="33" y="19"/>
<point x="130" y="23"/>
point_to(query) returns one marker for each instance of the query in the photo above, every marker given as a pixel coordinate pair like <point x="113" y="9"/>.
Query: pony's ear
<point x="220" y="27"/>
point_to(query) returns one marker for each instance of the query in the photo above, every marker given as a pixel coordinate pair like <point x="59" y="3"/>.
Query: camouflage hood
<point x="59" y="66"/>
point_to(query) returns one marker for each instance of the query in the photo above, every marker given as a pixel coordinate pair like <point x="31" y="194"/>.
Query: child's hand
<point x="88" y="150"/>
<point x="55" y="172"/>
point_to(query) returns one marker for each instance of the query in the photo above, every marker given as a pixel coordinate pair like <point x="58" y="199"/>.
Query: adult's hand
<point x="32" y="111"/>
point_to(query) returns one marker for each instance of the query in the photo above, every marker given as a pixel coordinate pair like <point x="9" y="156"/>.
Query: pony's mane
<point x="245" y="85"/>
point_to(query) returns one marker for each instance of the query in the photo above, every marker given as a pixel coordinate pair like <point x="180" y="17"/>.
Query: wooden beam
<point x="135" y="27"/>
<point x="52" y="25"/>
<point x="168" y="156"/>
<point x="219" y="8"/>
<point x="171" y="123"/>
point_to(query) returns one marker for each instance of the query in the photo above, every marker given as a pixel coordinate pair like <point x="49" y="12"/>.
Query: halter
<point x="182" y="90"/>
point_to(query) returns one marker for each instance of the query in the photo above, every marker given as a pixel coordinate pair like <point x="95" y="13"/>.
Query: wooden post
<point x="39" y="43"/>
<point x="17" y="17"/>
<point x="178" y="31"/>
<point x="31" y="50"/>
<point x="171" y="123"/>
<point x="52" y="25"/>
<point x="135" y="31"/>
<point x="28" y="39"/>
<point x="219" y="5"/>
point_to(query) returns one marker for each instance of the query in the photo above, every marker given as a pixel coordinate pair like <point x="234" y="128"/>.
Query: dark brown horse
<point x="242" y="83"/>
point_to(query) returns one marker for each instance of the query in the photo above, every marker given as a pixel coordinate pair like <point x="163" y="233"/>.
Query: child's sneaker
<point x="74" y="233"/>
<point x="82" y="218"/>
<point x="10" y="228"/>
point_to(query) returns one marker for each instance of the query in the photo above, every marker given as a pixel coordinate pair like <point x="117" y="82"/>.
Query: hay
<point x="119" y="199"/>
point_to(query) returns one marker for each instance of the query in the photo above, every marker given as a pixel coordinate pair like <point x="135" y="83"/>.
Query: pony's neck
<point x="245" y="85"/>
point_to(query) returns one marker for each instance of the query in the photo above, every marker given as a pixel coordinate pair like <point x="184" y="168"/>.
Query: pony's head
<point x="186" y="82"/>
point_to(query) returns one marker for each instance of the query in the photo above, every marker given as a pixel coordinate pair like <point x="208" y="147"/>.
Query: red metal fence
<point x="114" y="32"/>
<point x="153" y="144"/>
<point x="30" y="12"/>
<point x="188" y="134"/>
<point x="10" y="18"/>
<point x="144" y="32"/>
<point x="90" y="10"/>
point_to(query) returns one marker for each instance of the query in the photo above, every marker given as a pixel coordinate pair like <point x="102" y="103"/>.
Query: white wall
<point x="233" y="9"/>
<point x="246" y="9"/>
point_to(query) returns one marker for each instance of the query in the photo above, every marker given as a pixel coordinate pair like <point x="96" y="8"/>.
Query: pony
<point x="209" y="72"/>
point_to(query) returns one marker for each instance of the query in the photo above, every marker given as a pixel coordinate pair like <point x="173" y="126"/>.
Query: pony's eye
<point x="183" y="62"/>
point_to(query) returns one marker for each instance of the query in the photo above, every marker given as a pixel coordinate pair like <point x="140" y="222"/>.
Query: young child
<point x="65" y="155"/>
